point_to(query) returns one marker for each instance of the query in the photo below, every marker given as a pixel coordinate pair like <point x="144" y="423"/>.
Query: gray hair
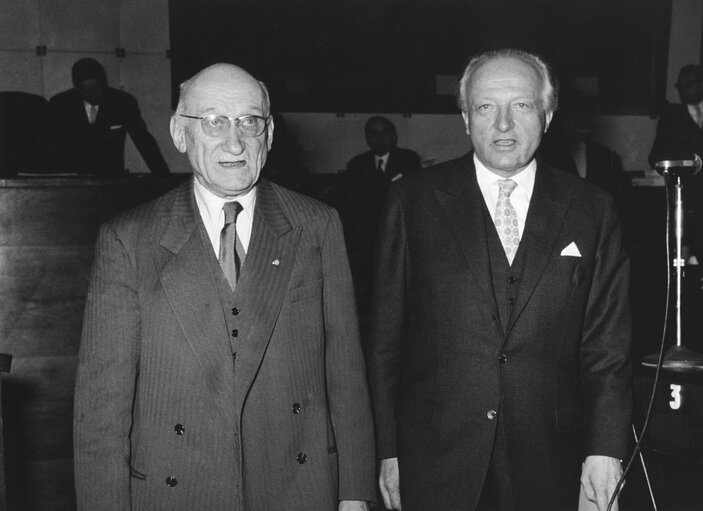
<point x="550" y="87"/>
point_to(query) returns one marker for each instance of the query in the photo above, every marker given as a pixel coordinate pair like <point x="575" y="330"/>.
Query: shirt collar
<point x="525" y="179"/>
<point x="211" y="204"/>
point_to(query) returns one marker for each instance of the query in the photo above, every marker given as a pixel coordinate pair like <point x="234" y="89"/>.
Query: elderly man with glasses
<point x="220" y="365"/>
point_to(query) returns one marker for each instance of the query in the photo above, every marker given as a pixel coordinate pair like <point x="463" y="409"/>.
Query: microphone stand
<point x="677" y="358"/>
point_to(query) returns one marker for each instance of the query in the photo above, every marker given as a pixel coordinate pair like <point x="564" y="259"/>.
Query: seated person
<point x="90" y="121"/>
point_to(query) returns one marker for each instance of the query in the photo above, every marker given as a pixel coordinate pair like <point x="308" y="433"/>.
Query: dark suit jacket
<point x="287" y="425"/>
<point x="400" y="161"/>
<point x="80" y="147"/>
<point x="360" y="199"/>
<point x="557" y="372"/>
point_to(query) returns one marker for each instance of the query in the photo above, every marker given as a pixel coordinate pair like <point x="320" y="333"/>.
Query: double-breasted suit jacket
<point x="190" y="398"/>
<point x="461" y="342"/>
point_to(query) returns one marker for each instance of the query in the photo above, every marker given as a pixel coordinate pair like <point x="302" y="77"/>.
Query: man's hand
<point x="599" y="477"/>
<point x="389" y="482"/>
<point x="353" y="505"/>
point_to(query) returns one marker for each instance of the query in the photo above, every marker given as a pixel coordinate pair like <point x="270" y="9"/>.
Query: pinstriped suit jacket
<point x="164" y="419"/>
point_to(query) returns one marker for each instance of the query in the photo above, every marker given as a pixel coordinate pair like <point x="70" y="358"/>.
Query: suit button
<point x="234" y="356"/>
<point x="235" y="333"/>
<point x="235" y="311"/>
<point x="171" y="481"/>
<point x="179" y="429"/>
<point x="302" y="458"/>
<point x="502" y="358"/>
<point x="491" y="415"/>
<point x="512" y="279"/>
<point x="511" y="300"/>
<point x="296" y="408"/>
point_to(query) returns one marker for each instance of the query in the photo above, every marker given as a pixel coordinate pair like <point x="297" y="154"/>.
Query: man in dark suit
<point x="499" y="360"/>
<point x="384" y="157"/>
<point x="362" y="193"/>
<point x="220" y="366"/>
<point x="89" y="124"/>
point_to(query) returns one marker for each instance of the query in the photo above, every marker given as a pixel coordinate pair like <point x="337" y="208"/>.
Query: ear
<point x="177" y="134"/>
<point x="269" y="133"/>
<point x="548" y="120"/>
<point x="466" y="122"/>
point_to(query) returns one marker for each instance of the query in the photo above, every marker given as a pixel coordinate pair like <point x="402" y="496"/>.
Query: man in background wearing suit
<point x="89" y="124"/>
<point x="220" y="366"/>
<point x="383" y="158"/>
<point x="500" y="333"/>
<point x="362" y="193"/>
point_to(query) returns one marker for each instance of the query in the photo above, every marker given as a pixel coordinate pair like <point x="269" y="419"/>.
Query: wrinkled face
<point x="228" y="165"/>
<point x="506" y="117"/>
<point x="380" y="138"/>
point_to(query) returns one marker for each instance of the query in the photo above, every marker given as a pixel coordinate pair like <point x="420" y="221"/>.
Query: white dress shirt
<point x="696" y="113"/>
<point x="88" y="107"/>
<point x="210" y="207"/>
<point x="520" y="198"/>
<point x="384" y="159"/>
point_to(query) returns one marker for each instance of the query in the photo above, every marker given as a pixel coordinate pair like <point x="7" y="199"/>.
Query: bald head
<point x="222" y="77"/>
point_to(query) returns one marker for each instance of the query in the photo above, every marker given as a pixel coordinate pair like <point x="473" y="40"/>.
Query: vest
<point x="505" y="278"/>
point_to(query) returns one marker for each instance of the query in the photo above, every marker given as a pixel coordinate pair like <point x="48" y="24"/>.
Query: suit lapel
<point x="263" y="283"/>
<point x="462" y="203"/>
<point x="545" y="217"/>
<point x="181" y="260"/>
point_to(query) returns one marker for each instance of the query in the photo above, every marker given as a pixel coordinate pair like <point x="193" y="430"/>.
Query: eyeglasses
<point x="219" y="125"/>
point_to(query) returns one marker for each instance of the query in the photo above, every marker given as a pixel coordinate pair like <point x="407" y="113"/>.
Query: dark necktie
<point x="231" y="249"/>
<point x="379" y="166"/>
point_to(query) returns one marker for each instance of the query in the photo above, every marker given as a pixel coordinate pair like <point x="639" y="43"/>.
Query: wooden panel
<point x="97" y="19"/>
<point x="21" y="71"/>
<point x="144" y="26"/>
<point x="47" y="234"/>
<point x="147" y="77"/>
<point x="24" y="34"/>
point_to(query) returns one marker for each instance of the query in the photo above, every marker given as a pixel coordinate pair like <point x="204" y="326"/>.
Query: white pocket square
<point x="571" y="250"/>
<point x="116" y="127"/>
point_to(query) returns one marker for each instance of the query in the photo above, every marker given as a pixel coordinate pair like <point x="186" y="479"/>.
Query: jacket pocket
<point x="134" y="473"/>
<point x="307" y="290"/>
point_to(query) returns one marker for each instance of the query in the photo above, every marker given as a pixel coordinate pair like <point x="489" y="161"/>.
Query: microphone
<point x="682" y="168"/>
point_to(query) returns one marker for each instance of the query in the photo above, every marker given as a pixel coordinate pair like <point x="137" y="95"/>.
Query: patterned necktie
<point x="231" y="249"/>
<point x="506" y="219"/>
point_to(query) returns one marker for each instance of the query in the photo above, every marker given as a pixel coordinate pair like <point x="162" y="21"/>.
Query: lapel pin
<point x="276" y="262"/>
